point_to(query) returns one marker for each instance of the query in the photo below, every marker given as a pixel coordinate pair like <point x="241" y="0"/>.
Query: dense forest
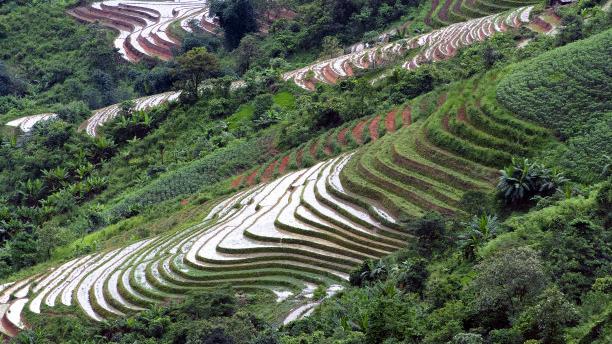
<point x="492" y="166"/>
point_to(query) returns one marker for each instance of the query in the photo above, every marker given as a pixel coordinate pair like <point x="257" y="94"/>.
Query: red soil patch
<point x="313" y="149"/>
<point x="236" y="182"/>
<point x="461" y="114"/>
<point x="298" y="157"/>
<point x="541" y="24"/>
<point x="358" y="132"/>
<point x="208" y="26"/>
<point x="327" y="149"/>
<point x="442" y="99"/>
<point x="283" y="164"/>
<point x="329" y="74"/>
<point x="310" y="84"/>
<point x="443" y="14"/>
<point x="269" y="171"/>
<point x="251" y="178"/>
<point x="184" y="202"/>
<point x="131" y="52"/>
<point x="342" y="136"/>
<point x="374" y="128"/>
<point x="445" y="122"/>
<point x="9" y="327"/>
<point x="434" y="4"/>
<point x="348" y="68"/>
<point x="365" y="61"/>
<point x="407" y="116"/>
<point x="390" y="121"/>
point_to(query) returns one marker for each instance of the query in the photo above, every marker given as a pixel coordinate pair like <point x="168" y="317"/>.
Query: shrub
<point x="193" y="177"/>
<point x="411" y="275"/>
<point x="506" y="282"/>
<point x="467" y="338"/>
<point x="430" y="231"/>
<point x="547" y="319"/>
<point x="319" y="292"/>
<point x="478" y="231"/>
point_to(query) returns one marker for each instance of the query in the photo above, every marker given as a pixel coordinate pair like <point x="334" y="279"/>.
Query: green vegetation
<point x="567" y="90"/>
<point x="51" y="59"/>
<point x="492" y="168"/>
<point x="213" y="317"/>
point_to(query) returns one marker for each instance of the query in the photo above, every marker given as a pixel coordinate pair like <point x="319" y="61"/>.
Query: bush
<point x="520" y="182"/>
<point x="430" y="231"/>
<point x="505" y="283"/>
<point x="577" y="253"/>
<point x="467" y="338"/>
<point x="546" y="320"/>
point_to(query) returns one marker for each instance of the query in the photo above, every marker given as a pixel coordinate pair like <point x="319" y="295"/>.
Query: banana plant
<point x="31" y="191"/>
<point x="477" y="232"/>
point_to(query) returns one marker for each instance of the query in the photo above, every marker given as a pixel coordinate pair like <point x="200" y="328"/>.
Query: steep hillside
<point x="563" y="89"/>
<point x="568" y="90"/>
<point x="450" y="186"/>
<point x="309" y="226"/>
<point x="431" y="47"/>
<point x="454" y="150"/>
<point x="446" y="12"/>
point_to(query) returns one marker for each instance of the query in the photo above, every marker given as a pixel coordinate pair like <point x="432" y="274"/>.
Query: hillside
<point x="446" y="180"/>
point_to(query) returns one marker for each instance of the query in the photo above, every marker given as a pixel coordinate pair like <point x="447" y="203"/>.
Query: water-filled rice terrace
<point x="446" y="12"/>
<point x="104" y="115"/>
<point x="308" y="226"/>
<point x="144" y="26"/>
<point x="434" y="46"/>
<point x="25" y="124"/>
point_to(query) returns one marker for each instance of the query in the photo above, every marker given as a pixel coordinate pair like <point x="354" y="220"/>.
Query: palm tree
<point x="84" y="170"/>
<point x="375" y="272"/>
<point x="95" y="184"/>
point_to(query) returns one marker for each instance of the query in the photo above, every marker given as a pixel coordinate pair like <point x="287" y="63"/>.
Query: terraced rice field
<point x="434" y="46"/>
<point x="310" y="226"/>
<point x="143" y="26"/>
<point x="318" y="220"/>
<point x="290" y="234"/>
<point x="342" y="139"/>
<point x="432" y="163"/>
<point x="101" y="116"/>
<point x="446" y="12"/>
<point x="25" y="124"/>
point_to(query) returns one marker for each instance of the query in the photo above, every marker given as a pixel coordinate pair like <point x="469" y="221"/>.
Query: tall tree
<point x="196" y="66"/>
<point x="236" y="17"/>
<point x="247" y="53"/>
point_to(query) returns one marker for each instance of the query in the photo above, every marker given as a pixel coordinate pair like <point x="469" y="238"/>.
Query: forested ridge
<point x="305" y="171"/>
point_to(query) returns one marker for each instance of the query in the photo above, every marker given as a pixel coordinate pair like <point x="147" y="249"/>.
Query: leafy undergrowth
<point x="219" y="316"/>
<point x="545" y="278"/>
